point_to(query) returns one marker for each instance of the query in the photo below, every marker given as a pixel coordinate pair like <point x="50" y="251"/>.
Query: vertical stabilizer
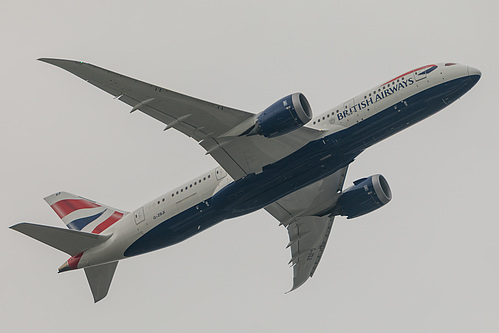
<point x="99" y="278"/>
<point x="79" y="213"/>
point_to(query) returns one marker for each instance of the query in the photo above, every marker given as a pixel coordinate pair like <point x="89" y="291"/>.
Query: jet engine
<point x="365" y="196"/>
<point x="285" y="115"/>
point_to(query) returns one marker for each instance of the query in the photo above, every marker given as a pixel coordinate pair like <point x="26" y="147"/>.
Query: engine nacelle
<point x="285" y="115"/>
<point x="365" y="196"/>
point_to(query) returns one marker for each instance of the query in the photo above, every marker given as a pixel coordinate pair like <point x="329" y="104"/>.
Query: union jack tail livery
<point x="86" y="220"/>
<point x="83" y="214"/>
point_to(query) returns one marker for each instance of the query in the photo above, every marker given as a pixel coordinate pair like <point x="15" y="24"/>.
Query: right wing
<point x="306" y="215"/>
<point x="214" y="126"/>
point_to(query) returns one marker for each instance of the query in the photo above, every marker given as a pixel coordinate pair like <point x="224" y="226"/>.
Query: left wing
<point x="214" y="126"/>
<point x="306" y="215"/>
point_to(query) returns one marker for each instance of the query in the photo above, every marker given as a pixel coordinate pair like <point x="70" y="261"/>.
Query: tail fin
<point x="99" y="279"/>
<point x="72" y="242"/>
<point x="79" y="213"/>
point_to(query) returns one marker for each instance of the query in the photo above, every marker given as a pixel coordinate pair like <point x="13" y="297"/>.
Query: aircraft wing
<point x="214" y="126"/>
<point x="305" y="214"/>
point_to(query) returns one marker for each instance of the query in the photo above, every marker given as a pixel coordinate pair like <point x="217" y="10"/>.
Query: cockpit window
<point x="450" y="64"/>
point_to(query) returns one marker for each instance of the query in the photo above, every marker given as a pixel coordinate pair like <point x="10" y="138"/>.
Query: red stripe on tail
<point x="107" y="223"/>
<point x="66" y="207"/>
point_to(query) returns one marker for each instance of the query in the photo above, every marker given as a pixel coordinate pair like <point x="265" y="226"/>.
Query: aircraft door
<point x="139" y="215"/>
<point x="220" y="173"/>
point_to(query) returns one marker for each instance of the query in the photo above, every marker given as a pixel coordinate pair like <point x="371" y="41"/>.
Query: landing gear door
<point x="139" y="215"/>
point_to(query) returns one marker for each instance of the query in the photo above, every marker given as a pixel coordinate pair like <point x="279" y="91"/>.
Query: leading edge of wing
<point x="194" y="117"/>
<point x="211" y="125"/>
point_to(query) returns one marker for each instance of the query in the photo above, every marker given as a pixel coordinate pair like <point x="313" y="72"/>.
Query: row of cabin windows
<point x="383" y="88"/>
<point x="324" y="118"/>
<point x="187" y="187"/>
<point x="365" y="97"/>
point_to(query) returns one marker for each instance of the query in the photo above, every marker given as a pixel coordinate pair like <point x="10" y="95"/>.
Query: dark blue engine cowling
<point x="365" y="196"/>
<point x="285" y="115"/>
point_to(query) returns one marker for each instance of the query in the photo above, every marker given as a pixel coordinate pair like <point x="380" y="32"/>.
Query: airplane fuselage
<point x="346" y="131"/>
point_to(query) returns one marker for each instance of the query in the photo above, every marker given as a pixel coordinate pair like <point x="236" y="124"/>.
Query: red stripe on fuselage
<point x="107" y="223"/>
<point x="414" y="70"/>
<point x="66" y="207"/>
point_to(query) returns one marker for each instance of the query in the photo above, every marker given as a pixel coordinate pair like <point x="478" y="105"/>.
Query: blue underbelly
<point x="316" y="160"/>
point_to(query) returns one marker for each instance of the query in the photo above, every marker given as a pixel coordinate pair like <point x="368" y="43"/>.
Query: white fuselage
<point x="197" y="192"/>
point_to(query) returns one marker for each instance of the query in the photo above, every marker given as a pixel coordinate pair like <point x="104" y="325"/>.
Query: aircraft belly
<point x="316" y="160"/>
<point x="177" y="228"/>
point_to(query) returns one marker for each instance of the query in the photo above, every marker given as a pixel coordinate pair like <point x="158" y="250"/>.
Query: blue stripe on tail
<point x="83" y="222"/>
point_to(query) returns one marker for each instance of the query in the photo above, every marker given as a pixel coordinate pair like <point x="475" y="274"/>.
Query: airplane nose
<point x="474" y="74"/>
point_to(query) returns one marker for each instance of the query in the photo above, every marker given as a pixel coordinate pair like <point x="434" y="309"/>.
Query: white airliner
<point x="282" y="159"/>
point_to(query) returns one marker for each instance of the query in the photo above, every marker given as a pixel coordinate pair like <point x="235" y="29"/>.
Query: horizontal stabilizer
<point x="71" y="242"/>
<point x="99" y="278"/>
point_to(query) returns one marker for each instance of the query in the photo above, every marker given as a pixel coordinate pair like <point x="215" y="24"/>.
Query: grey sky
<point x="425" y="262"/>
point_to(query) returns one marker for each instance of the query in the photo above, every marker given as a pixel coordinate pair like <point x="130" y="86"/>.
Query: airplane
<point x="283" y="159"/>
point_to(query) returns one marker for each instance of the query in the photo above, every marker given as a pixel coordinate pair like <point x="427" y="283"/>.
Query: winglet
<point x="63" y="63"/>
<point x="298" y="281"/>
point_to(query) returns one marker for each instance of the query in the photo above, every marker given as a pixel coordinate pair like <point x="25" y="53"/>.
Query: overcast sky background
<point x="426" y="262"/>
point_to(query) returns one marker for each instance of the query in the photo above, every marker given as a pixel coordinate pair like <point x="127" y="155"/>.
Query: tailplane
<point x="99" y="279"/>
<point x="71" y="242"/>
<point x="74" y="243"/>
<point x="87" y="220"/>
